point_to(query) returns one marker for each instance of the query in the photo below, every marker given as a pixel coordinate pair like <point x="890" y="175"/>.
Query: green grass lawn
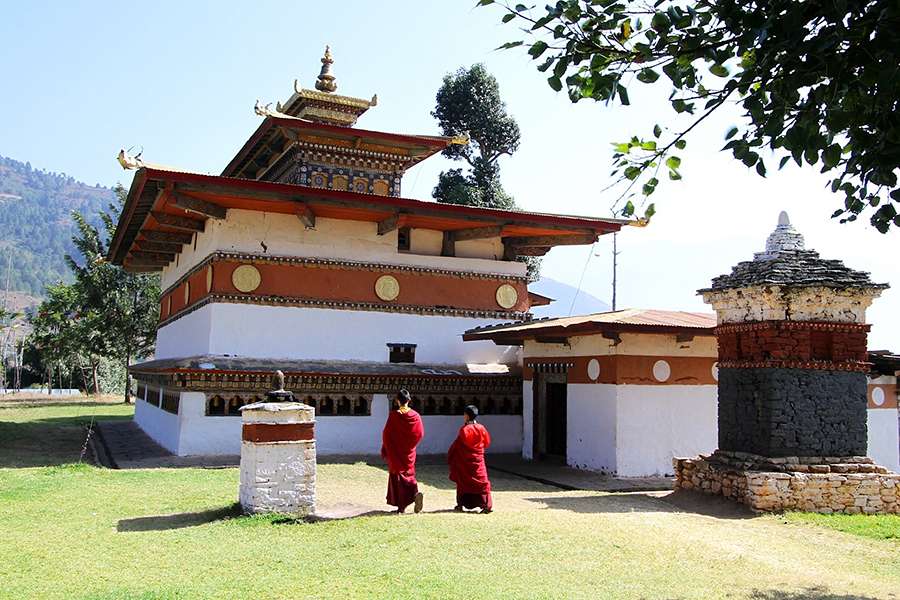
<point x="76" y="531"/>
<point x="879" y="527"/>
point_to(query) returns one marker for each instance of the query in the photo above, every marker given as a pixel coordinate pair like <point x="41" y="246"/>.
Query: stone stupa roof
<point x="787" y="262"/>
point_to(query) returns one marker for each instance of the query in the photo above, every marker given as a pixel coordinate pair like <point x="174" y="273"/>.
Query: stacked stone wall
<point x="792" y="341"/>
<point x="789" y="412"/>
<point x="826" y="485"/>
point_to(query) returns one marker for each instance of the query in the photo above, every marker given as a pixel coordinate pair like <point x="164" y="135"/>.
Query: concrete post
<point x="278" y="458"/>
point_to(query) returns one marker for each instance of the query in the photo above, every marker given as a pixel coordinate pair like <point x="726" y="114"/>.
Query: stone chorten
<point x="792" y="351"/>
<point x="792" y="385"/>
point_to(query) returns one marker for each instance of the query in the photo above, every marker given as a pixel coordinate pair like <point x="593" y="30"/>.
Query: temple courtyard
<point x="78" y="531"/>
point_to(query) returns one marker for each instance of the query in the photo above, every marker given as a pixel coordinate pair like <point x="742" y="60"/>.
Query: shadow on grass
<point x="179" y="520"/>
<point x="32" y="403"/>
<point x="641" y="502"/>
<point x="815" y="593"/>
<point x="44" y="442"/>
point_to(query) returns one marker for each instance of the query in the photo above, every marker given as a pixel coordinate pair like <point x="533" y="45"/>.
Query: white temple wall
<point x="284" y="235"/>
<point x="656" y="423"/>
<point x="312" y="333"/>
<point x="162" y="426"/>
<point x="188" y="336"/>
<point x="591" y="415"/>
<point x="884" y="446"/>
<point x="191" y="432"/>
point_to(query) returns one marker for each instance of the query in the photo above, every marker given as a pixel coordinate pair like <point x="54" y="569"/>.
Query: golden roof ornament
<point x="326" y="81"/>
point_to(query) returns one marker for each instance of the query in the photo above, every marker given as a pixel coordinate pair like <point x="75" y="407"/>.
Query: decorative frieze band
<point x="336" y="305"/>
<point x="259" y="383"/>
<point x="316" y="283"/>
<point x="628" y="369"/>
<point x="818" y="365"/>
<point x="334" y="263"/>
<point x="792" y="326"/>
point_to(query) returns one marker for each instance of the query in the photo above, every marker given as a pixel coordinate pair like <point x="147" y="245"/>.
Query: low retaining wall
<point x="818" y="484"/>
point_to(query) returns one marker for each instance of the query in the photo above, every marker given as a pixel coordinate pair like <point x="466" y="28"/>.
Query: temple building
<point x="304" y="256"/>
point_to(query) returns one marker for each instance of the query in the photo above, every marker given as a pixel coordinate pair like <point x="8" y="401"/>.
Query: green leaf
<point x="657" y="131"/>
<point x="632" y="173"/>
<point x="508" y="17"/>
<point x="555" y="83"/>
<point x="784" y="161"/>
<point x="660" y="22"/>
<point x="651" y="145"/>
<point x="680" y="144"/>
<point x="719" y="70"/>
<point x="673" y="162"/>
<point x="648" y="189"/>
<point x="761" y="169"/>
<point x="647" y="76"/>
<point x="623" y="94"/>
<point x="484" y="2"/>
<point x="509" y="45"/>
<point x="731" y="133"/>
<point x="537" y="48"/>
<point x="674" y="175"/>
<point x="628" y="209"/>
<point x="831" y="156"/>
<point x="651" y="210"/>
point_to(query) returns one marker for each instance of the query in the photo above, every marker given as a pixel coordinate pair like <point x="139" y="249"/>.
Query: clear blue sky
<point x="80" y="80"/>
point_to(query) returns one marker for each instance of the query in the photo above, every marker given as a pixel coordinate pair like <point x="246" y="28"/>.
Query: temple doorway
<point x="550" y="415"/>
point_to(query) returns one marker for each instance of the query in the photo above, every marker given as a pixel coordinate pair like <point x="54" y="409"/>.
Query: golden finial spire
<point x="326" y="82"/>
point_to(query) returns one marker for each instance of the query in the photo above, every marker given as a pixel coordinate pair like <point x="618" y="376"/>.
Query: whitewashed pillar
<point x="278" y="458"/>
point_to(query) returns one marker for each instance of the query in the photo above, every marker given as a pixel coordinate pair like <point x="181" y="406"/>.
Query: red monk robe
<point x="402" y="433"/>
<point x="467" y="468"/>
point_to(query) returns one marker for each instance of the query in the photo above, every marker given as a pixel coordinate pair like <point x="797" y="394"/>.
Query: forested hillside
<point x="36" y="225"/>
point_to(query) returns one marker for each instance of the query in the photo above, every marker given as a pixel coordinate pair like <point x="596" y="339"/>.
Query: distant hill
<point x="563" y="294"/>
<point x="36" y="225"/>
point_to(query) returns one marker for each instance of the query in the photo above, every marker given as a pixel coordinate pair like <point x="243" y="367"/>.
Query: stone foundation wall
<point x="849" y="485"/>
<point x="785" y="412"/>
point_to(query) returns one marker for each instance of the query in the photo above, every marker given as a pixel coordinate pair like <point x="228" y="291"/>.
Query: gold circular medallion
<point x="507" y="296"/>
<point x="387" y="288"/>
<point x="246" y="278"/>
<point x="209" y="279"/>
<point x="187" y="292"/>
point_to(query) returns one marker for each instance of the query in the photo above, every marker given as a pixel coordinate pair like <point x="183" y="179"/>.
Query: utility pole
<point x="615" y="254"/>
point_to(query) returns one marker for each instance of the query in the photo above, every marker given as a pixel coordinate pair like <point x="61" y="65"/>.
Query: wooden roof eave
<point x="420" y="146"/>
<point x="573" y="230"/>
<point x="508" y="335"/>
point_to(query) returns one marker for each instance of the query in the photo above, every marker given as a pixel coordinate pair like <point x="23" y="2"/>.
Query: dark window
<point x="403" y="236"/>
<point x="216" y="406"/>
<point x="170" y="401"/>
<point x="402" y="353"/>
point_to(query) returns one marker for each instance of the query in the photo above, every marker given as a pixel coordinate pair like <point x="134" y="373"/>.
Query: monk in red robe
<point x="467" y="468"/>
<point x="402" y="433"/>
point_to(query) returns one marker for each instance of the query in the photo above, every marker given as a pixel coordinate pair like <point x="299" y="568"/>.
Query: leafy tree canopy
<point x="107" y="313"/>
<point x="469" y="103"/>
<point x="818" y="82"/>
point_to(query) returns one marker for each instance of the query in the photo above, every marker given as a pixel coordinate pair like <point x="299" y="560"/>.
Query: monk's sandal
<point x="417" y="508"/>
